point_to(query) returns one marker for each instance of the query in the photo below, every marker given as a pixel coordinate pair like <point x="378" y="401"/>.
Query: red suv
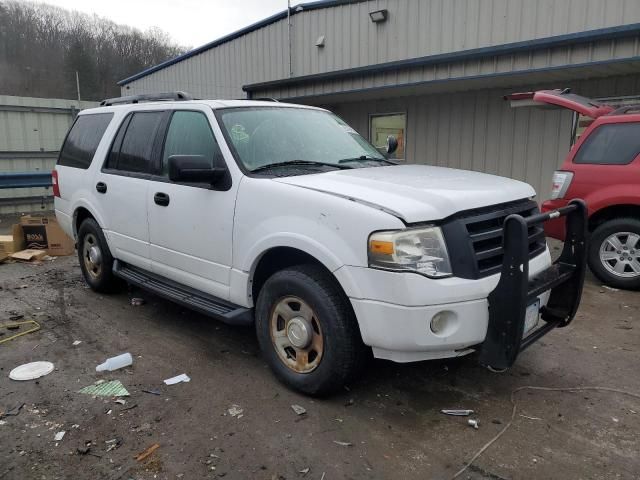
<point x="603" y="168"/>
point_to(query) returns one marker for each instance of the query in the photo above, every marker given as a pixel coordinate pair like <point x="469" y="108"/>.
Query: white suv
<point x="283" y="216"/>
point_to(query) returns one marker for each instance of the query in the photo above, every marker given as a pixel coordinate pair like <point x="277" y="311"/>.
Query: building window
<point x="381" y="126"/>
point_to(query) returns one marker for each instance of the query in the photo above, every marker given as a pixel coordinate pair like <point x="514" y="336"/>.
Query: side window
<point x="135" y="152"/>
<point x="613" y="144"/>
<point x="83" y="139"/>
<point x="189" y="134"/>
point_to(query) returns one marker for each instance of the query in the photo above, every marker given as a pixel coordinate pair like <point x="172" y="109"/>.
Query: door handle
<point x="161" y="199"/>
<point x="101" y="187"/>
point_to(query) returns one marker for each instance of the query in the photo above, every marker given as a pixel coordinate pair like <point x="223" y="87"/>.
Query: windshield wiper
<point x="299" y="162"/>
<point x="366" y="158"/>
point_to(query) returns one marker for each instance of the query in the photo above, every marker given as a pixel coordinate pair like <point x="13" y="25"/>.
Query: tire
<point x="617" y="267"/>
<point x="324" y="318"/>
<point x="97" y="273"/>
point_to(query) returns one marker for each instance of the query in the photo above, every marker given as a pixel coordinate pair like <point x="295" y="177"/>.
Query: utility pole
<point x="289" y="36"/>
<point x="78" y="86"/>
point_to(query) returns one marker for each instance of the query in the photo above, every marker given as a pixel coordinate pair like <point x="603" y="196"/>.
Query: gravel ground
<point x="389" y="424"/>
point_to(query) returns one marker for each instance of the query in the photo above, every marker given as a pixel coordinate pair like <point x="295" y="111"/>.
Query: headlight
<point x="420" y="250"/>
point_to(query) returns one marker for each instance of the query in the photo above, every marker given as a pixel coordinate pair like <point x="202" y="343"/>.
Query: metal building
<point x="433" y="72"/>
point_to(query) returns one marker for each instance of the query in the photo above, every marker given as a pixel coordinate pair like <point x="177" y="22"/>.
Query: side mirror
<point x="194" y="169"/>
<point x="392" y="144"/>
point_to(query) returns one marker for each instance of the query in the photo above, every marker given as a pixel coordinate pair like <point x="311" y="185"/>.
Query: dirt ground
<point x="390" y="421"/>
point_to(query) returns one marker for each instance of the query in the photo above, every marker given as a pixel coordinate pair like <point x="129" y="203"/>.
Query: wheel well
<point x="80" y="215"/>
<point x="276" y="259"/>
<point x="614" y="211"/>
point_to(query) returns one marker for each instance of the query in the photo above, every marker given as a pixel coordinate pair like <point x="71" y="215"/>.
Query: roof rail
<point x="146" y="97"/>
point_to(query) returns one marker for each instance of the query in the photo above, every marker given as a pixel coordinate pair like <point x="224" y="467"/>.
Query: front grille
<point x="474" y="238"/>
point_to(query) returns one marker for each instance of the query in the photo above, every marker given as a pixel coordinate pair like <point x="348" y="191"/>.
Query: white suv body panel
<point x="213" y="240"/>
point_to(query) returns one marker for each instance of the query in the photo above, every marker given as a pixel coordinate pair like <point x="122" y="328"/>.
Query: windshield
<point x="264" y="136"/>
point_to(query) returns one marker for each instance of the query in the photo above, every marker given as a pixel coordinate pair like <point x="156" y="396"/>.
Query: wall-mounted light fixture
<point x="379" y="16"/>
<point x="320" y="41"/>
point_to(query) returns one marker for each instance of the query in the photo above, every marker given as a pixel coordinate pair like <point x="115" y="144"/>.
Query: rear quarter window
<point x="611" y="144"/>
<point x="83" y="139"/>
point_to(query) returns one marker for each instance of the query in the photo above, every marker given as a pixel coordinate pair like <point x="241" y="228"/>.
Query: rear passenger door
<point x="191" y="225"/>
<point x="123" y="182"/>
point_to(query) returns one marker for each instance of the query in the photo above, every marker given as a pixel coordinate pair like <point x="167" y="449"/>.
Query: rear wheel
<point x="95" y="258"/>
<point x="614" y="253"/>
<point x="307" y="331"/>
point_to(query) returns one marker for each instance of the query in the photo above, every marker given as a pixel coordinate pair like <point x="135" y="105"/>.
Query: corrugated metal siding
<point x="618" y="50"/>
<point x="479" y="131"/>
<point x="414" y="28"/>
<point x="31" y="133"/>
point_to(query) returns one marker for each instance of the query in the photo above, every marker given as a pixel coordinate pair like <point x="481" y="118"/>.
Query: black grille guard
<point x="515" y="291"/>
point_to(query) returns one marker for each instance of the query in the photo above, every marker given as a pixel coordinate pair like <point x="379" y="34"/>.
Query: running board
<point x="183" y="295"/>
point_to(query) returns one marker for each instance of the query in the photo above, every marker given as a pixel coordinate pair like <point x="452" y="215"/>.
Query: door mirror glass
<point x="194" y="169"/>
<point x="392" y="144"/>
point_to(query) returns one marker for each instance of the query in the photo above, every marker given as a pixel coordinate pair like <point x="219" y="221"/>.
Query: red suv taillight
<point x="54" y="184"/>
<point x="561" y="182"/>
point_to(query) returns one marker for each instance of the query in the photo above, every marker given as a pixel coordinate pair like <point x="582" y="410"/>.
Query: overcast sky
<point x="189" y="22"/>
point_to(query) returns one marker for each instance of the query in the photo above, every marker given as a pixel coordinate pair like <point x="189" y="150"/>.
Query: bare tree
<point x="42" y="47"/>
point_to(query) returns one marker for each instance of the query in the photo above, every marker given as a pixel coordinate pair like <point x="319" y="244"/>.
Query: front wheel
<point x="614" y="253"/>
<point x="307" y="331"/>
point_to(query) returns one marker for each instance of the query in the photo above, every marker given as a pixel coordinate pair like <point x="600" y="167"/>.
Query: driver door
<point x="191" y="225"/>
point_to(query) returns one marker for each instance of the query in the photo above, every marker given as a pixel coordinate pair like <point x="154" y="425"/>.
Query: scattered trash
<point x="28" y="255"/>
<point x="2" y="422"/>
<point x="610" y="288"/>
<point x="17" y="325"/>
<point x="121" y="401"/>
<point x="129" y="407"/>
<point x="145" y="453"/>
<point x="59" y="436"/>
<point x="343" y="444"/>
<point x="298" y="409"/>
<point x="31" y="371"/>
<point x="304" y="471"/>
<point x="235" y="411"/>
<point x="113" y="388"/>
<point x="615" y="419"/>
<point x="457" y="413"/>
<point x="530" y="418"/>
<point x="76" y="343"/>
<point x="83" y="450"/>
<point x="137" y="301"/>
<point x="12" y="412"/>
<point x="472" y="422"/>
<point x="114" y="363"/>
<point x="109" y="412"/>
<point x="177" y="379"/>
<point x="113" y="444"/>
<point x="152" y="392"/>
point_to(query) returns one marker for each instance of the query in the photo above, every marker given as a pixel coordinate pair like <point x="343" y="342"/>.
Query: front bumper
<point x="394" y="310"/>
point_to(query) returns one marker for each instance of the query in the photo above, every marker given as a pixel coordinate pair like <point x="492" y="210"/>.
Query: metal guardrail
<point x="24" y="179"/>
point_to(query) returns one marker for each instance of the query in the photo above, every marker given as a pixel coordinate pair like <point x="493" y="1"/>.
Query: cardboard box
<point x="29" y="255"/>
<point x="42" y="233"/>
<point x="12" y="243"/>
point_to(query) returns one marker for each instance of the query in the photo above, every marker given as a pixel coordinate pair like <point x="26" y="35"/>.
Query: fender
<point x="294" y="240"/>
<point x="612" y="195"/>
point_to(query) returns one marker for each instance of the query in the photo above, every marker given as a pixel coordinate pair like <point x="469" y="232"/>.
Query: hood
<point x="415" y="193"/>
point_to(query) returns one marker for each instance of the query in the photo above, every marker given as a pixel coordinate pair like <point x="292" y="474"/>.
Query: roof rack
<point x="262" y="99"/>
<point x="635" y="108"/>
<point x="146" y="97"/>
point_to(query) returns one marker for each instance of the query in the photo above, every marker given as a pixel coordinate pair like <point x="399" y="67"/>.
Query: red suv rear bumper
<point x="554" y="228"/>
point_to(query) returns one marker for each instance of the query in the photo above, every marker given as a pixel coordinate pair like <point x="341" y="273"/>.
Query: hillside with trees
<point x="42" y="47"/>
